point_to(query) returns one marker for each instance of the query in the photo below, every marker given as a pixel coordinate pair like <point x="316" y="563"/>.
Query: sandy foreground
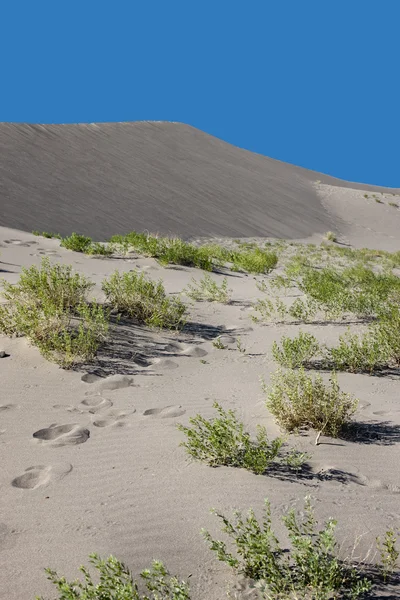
<point x="90" y="459"/>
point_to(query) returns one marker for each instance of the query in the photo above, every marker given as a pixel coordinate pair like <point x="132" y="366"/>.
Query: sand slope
<point x="103" y="179"/>
<point x="90" y="459"/>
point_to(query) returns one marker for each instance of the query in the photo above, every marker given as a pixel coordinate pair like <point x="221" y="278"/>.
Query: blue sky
<point x="312" y="82"/>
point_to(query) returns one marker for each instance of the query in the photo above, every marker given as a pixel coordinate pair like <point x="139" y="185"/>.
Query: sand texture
<point x="90" y="457"/>
<point x="105" y="179"/>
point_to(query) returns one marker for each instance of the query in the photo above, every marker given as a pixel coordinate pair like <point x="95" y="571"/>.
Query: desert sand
<point x="90" y="457"/>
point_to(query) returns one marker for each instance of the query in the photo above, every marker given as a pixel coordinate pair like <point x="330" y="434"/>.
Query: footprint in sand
<point x="113" y="417"/>
<point x="8" y="407"/>
<point x="94" y="404"/>
<point x="167" y="412"/>
<point x="113" y="382"/>
<point x="40" y="475"/>
<point x="165" y="364"/>
<point x="63" y="435"/>
<point x="195" y="352"/>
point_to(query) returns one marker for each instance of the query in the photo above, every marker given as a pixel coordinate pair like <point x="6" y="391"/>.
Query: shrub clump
<point x="300" y="401"/>
<point x="116" y="582"/>
<point x="49" y="306"/>
<point x="223" y="441"/>
<point x="208" y="290"/>
<point x="82" y="243"/>
<point x="295" y="352"/>
<point x="137" y="297"/>
<point x="309" y="569"/>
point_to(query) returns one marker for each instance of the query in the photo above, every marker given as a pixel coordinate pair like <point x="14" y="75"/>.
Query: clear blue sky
<point x="311" y="82"/>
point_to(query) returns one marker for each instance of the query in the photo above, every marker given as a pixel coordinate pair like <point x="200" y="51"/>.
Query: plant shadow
<point x="383" y="433"/>
<point x="131" y="349"/>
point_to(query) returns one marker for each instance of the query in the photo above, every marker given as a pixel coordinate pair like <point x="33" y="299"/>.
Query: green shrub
<point x="254" y="261"/>
<point x="355" y="353"/>
<point x="309" y="569"/>
<point x="134" y="295"/>
<point x="330" y="236"/>
<point x="300" y="401"/>
<point x="224" y="442"/>
<point x="46" y="234"/>
<point x="116" y="583"/>
<point x="386" y="334"/>
<point x="388" y="553"/>
<point x="295" y="352"/>
<point x="76" y="242"/>
<point x="82" y="243"/>
<point x="49" y="306"/>
<point x="207" y="289"/>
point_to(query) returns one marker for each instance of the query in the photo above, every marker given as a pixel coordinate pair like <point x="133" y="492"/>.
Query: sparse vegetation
<point x="116" y="583"/>
<point x="330" y="236"/>
<point x="207" y="289"/>
<point x="82" y="243"/>
<point x="176" y="251"/>
<point x="300" y="401"/>
<point x="223" y="441"/>
<point x="310" y="569"/>
<point x="49" y="306"/>
<point x="138" y="297"/>
<point x="217" y="343"/>
<point x="46" y="234"/>
<point x="295" y="352"/>
<point x="394" y="204"/>
<point x="389" y="554"/>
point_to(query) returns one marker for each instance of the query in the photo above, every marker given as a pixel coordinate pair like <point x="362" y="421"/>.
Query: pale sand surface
<point x="104" y="471"/>
<point x="109" y="178"/>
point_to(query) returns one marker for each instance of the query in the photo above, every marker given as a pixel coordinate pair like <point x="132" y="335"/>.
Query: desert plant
<point x="295" y="352"/>
<point x="394" y="204"/>
<point x="209" y="290"/>
<point x="117" y="583"/>
<point x="48" y="283"/>
<point x="47" y="235"/>
<point x="138" y="297"/>
<point x="330" y="236"/>
<point x="309" y="569"/>
<point x="223" y="441"/>
<point x="76" y="242"/>
<point x="355" y="353"/>
<point x="218" y="343"/>
<point x="254" y="260"/>
<point x="49" y="306"/>
<point x="388" y="553"/>
<point x="298" y="400"/>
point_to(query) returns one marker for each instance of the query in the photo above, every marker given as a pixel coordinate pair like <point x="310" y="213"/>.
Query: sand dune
<point x="103" y="179"/>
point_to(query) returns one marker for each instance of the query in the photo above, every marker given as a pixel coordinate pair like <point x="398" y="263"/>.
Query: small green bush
<point x="76" y="242"/>
<point x="116" y="583"/>
<point x="355" y="353"/>
<point x="134" y="295"/>
<point x="388" y="553"/>
<point x="330" y="236"/>
<point x="207" y="289"/>
<point x="309" y="569"/>
<point x="49" y="306"/>
<point x="300" y="401"/>
<point x="47" y="235"/>
<point x="254" y="261"/>
<point x="295" y="352"/>
<point x="394" y="204"/>
<point x="224" y="442"/>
